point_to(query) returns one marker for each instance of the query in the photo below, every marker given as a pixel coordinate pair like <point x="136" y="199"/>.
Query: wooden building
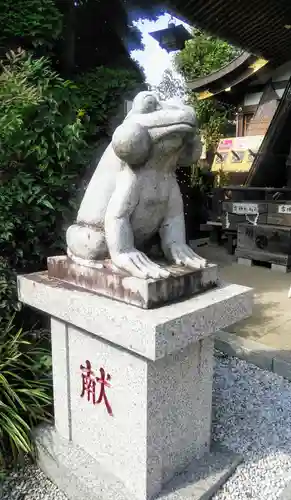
<point x="250" y="83"/>
<point x="255" y="88"/>
<point x="256" y="216"/>
<point x="263" y="31"/>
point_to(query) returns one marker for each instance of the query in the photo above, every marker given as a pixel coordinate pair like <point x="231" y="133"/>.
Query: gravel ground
<point x="252" y="417"/>
<point x="29" y="483"/>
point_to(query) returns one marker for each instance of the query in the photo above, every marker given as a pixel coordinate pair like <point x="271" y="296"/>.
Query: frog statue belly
<point x="133" y="193"/>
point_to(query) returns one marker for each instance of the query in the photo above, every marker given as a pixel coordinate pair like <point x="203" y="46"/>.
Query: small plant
<point x="222" y="178"/>
<point x="25" y="391"/>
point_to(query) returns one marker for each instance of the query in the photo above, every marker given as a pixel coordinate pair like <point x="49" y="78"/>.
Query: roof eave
<point x="203" y="81"/>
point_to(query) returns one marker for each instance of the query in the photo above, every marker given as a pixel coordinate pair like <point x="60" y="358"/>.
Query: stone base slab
<point x="145" y="293"/>
<point x="149" y="333"/>
<point x="78" y="475"/>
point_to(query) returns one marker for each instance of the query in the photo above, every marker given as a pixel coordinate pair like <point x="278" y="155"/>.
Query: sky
<point x="153" y="58"/>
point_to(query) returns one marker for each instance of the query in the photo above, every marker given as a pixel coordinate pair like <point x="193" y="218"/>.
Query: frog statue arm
<point x="119" y="232"/>
<point x="134" y="194"/>
<point x="172" y="233"/>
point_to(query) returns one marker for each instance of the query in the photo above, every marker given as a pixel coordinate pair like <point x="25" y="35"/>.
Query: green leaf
<point x="47" y="204"/>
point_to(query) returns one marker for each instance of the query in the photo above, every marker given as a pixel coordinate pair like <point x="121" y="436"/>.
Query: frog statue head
<point x="157" y="128"/>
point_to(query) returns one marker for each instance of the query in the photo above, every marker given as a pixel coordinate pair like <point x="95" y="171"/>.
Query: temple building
<point x="255" y="87"/>
<point x="256" y="80"/>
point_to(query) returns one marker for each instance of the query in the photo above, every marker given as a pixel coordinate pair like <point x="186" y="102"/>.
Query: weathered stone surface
<point x="160" y="413"/>
<point x="150" y="333"/>
<point x="79" y="475"/>
<point x="202" y="478"/>
<point x="134" y="194"/>
<point x="182" y="282"/>
<point x="132" y="391"/>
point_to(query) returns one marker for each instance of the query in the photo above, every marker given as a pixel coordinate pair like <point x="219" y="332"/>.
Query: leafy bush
<point x="212" y="118"/>
<point x="204" y="54"/>
<point x="42" y="156"/>
<point x="8" y="293"/>
<point x="41" y="159"/>
<point x="100" y="92"/>
<point x="25" y="392"/>
<point x="38" y="22"/>
<point x="43" y="152"/>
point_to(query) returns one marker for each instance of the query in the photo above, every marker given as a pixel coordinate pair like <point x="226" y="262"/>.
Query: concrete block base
<point x="261" y="355"/>
<point x="280" y="268"/>
<point x="246" y="349"/>
<point x="244" y="262"/>
<point x="79" y="475"/>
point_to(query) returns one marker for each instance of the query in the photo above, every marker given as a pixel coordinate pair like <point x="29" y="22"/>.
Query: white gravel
<point x="252" y="416"/>
<point x="29" y="483"/>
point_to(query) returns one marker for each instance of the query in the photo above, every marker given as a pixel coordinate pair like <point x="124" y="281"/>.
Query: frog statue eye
<point x="149" y="104"/>
<point x="145" y="103"/>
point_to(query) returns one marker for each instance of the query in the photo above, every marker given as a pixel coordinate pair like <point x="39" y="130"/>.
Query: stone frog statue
<point x="134" y="194"/>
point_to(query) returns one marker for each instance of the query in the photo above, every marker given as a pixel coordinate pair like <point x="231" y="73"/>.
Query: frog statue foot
<point x="134" y="194"/>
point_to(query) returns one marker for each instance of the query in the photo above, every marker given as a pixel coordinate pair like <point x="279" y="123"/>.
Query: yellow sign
<point x="240" y="143"/>
<point x="236" y="154"/>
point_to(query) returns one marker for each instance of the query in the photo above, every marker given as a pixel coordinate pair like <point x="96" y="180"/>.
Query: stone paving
<point x="267" y="331"/>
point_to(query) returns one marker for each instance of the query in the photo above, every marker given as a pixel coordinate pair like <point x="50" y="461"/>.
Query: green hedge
<point x="48" y="126"/>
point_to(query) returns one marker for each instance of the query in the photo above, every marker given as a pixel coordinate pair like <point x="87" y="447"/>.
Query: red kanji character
<point x="88" y="382"/>
<point x="104" y="383"/>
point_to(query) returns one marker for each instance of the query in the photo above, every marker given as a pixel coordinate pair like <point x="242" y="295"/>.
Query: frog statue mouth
<point x="162" y="131"/>
<point x="149" y="122"/>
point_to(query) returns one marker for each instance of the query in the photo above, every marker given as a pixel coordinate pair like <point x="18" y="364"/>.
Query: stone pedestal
<point x="182" y="283"/>
<point x="132" y="387"/>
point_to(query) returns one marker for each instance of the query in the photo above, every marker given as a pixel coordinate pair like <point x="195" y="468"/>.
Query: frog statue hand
<point x="134" y="194"/>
